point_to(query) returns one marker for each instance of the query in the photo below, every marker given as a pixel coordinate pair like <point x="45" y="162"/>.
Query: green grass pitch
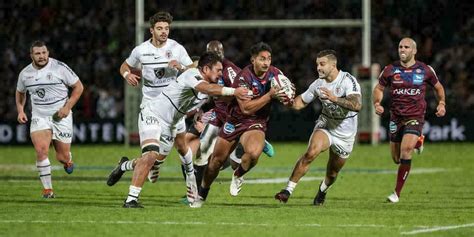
<point x="438" y="198"/>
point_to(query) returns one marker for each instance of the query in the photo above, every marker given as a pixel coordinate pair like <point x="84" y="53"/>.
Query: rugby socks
<point x="187" y="161"/>
<point x="127" y="165"/>
<point x="203" y="192"/>
<point x="291" y="186"/>
<point x="133" y="193"/>
<point x="199" y="173"/>
<point x="239" y="172"/>
<point x="323" y="187"/>
<point x="44" y="169"/>
<point x="403" y="171"/>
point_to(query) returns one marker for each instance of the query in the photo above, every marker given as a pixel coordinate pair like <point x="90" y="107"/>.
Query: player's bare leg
<point x="406" y="150"/>
<point x="219" y="155"/>
<point x="63" y="155"/>
<point x="318" y="142"/>
<point x="252" y="141"/>
<point x="41" y="140"/>
<point x="335" y="164"/>
<point x="395" y="152"/>
<point x="150" y="156"/>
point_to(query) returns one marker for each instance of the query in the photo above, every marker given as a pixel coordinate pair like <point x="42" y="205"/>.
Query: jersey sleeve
<point x="192" y="80"/>
<point x="69" y="77"/>
<point x="184" y="58"/>
<point x="383" y="77"/>
<point x="351" y="86"/>
<point x="134" y="59"/>
<point x="20" y="85"/>
<point x="311" y="93"/>
<point x="432" y="78"/>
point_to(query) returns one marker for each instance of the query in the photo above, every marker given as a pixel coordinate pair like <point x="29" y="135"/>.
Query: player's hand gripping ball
<point x="287" y="90"/>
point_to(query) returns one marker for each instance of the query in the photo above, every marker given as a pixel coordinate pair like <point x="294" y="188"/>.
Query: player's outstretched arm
<point x="377" y="96"/>
<point x="440" y="95"/>
<point x="216" y="90"/>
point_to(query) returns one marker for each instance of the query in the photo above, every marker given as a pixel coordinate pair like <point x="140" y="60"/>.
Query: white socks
<point x="44" y="169"/>
<point x="187" y="161"/>
<point x="133" y="193"/>
<point x="323" y="187"/>
<point x="127" y="165"/>
<point x="291" y="186"/>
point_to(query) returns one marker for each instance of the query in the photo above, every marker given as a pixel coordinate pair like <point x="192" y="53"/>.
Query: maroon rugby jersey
<point x="408" y="87"/>
<point x="229" y="72"/>
<point x="259" y="87"/>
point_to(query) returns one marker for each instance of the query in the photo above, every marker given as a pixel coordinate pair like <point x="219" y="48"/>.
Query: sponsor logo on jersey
<point x="40" y="92"/>
<point x="148" y="54"/>
<point x="397" y="79"/>
<point x="229" y="128"/>
<point x="412" y="122"/>
<point x="407" y="91"/>
<point x="418" y="79"/>
<point x="220" y="82"/>
<point x="159" y="72"/>
<point x="397" y="71"/>
<point x="418" y="70"/>
<point x="408" y="71"/>
<point x="256" y="125"/>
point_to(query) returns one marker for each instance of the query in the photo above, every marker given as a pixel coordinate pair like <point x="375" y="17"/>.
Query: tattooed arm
<point x="351" y="102"/>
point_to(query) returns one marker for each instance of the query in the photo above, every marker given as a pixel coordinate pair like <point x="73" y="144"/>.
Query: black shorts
<point x="400" y="126"/>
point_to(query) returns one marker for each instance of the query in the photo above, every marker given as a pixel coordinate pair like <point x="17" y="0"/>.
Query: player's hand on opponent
<point x="243" y="93"/>
<point x="440" y="110"/>
<point x="22" y="118"/>
<point x="174" y="64"/>
<point x="132" y="79"/>
<point x="326" y="94"/>
<point x="378" y="109"/>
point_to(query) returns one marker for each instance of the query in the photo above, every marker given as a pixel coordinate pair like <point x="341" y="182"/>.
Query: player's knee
<point x="41" y="152"/>
<point x="310" y="155"/>
<point x="406" y="151"/>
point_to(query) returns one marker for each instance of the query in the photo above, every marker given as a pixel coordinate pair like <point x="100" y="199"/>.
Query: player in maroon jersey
<point x="406" y="80"/>
<point x="246" y="121"/>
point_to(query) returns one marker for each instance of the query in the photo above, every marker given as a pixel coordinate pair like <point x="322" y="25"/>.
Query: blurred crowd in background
<point x="95" y="37"/>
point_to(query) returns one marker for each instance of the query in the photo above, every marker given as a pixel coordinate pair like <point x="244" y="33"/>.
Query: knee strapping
<point x="151" y="147"/>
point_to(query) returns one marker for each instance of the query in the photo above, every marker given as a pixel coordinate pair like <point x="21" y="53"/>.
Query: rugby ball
<point x="285" y="85"/>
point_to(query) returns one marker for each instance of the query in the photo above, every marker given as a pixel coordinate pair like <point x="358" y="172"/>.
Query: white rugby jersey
<point x="179" y="97"/>
<point x="48" y="86"/>
<point x="154" y="62"/>
<point x="340" y="121"/>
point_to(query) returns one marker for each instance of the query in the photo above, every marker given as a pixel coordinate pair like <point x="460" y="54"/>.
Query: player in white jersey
<point x="47" y="81"/>
<point x="167" y="111"/>
<point x="160" y="60"/>
<point x="336" y="127"/>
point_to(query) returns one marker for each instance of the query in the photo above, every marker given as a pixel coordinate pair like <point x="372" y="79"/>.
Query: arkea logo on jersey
<point x="406" y="91"/>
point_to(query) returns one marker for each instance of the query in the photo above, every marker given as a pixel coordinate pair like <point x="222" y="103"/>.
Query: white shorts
<point x="151" y="126"/>
<point x="62" y="130"/>
<point x="341" y="146"/>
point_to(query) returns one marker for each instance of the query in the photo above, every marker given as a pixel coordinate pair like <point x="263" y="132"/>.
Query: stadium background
<point x="94" y="37"/>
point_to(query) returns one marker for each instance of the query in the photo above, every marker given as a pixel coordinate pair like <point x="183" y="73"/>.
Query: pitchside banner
<point x="283" y="126"/>
<point x="104" y="131"/>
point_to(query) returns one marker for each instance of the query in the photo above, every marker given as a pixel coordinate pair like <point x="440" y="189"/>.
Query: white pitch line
<point x="439" y="228"/>
<point x="195" y="223"/>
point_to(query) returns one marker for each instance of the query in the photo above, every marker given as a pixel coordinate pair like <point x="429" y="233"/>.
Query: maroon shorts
<point x="400" y="126"/>
<point x="232" y="132"/>
<point x="218" y="118"/>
